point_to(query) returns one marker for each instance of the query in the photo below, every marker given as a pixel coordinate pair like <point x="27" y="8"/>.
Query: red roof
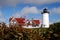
<point x="19" y="20"/>
<point x="36" y="21"/>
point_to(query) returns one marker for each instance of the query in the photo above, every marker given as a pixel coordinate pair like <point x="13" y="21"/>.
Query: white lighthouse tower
<point x="45" y="22"/>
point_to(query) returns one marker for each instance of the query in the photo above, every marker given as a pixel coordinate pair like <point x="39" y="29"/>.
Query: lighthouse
<point x="45" y="19"/>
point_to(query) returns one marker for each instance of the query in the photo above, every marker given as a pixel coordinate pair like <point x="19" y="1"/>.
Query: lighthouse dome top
<point x="45" y="10"/>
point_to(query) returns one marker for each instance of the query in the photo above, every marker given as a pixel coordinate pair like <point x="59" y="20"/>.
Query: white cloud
<point x="15" y="2"/>
<point x="53" y="12"/>
<point x="40" y="1"/>
<point x="0" y="14"/>
<point x="1" y="19"/>
<point x="27" y="10"/>
<point x="56" y="10"/>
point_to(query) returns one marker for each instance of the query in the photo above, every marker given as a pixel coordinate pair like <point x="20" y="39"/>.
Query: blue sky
<point x="30" y="9"/>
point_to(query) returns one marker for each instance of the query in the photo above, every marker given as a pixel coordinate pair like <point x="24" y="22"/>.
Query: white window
<point x="11" y="22"/>
<point x="30" y="22"/>
<point x="14" y="22"/>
